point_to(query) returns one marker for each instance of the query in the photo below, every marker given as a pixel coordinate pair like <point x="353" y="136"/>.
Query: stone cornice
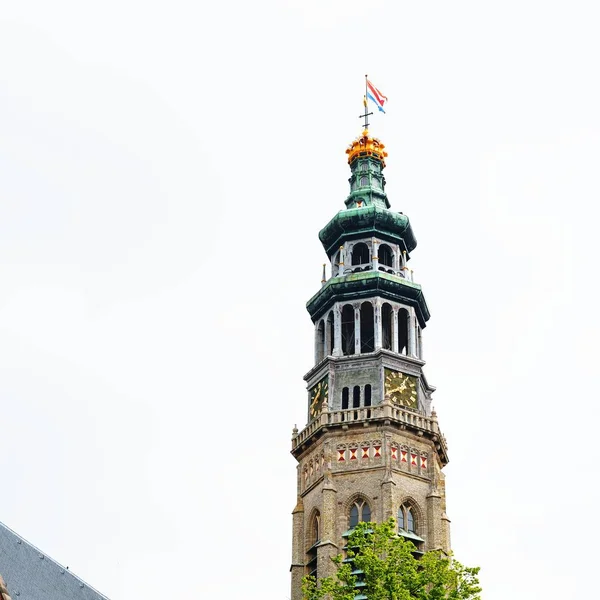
<point x="367" y="284"/>
<point x="379" y="415"/>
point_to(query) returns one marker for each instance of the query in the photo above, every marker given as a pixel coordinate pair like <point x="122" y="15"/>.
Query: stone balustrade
<point x="421" y="423"/>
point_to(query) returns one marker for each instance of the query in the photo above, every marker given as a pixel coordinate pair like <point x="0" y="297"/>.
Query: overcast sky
<point x="164" y="170"/>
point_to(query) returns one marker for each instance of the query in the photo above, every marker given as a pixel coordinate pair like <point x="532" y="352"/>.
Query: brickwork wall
<point x="385" y="466"/>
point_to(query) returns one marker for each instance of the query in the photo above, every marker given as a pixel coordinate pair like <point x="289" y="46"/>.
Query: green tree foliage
<point x="391" y="572"/>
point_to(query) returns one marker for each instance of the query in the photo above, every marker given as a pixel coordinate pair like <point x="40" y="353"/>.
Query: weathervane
<point x="366" y="115"/>
<point x="373" y="94"/>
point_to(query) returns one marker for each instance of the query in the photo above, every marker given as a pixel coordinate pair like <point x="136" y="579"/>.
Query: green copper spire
<point x="366" y="157"/>
<point x="367" y="212"/>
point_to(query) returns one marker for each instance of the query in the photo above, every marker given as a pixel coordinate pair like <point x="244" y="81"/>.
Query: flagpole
<point x="366" y="103"/>
<point x="366" y="114"/>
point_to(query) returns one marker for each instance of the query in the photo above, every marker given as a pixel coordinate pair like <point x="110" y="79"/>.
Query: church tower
<point x="372" y="447"/>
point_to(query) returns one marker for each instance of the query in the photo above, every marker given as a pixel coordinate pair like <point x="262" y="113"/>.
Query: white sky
<point x="165" y="169"/>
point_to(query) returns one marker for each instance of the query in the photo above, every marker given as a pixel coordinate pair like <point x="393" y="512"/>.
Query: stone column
<point x="337" y="330"/>
<point x="377" y="324"/>
<point x="341" y="267"/>
<point x="328" y="339"/>
<point x="374" y="256"/>
<point x="395" y="330"/>
<point x="317" y="344"/>
<point x="403" y="266"/>
<point x="357" y="329"/>
<point x="412" y="341"/>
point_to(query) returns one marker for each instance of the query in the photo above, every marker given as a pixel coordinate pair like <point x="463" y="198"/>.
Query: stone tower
<point x="372" y="447"/>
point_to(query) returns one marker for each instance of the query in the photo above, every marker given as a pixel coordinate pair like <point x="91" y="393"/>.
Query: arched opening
<point x="366" y="512"/>
<point x="410" y="521"/>
<point x="403" y="318"/>
<point x="401" y="519"/>
<point x="356" y="397"/>
<point x="335" y="264"/>
<point x="385" y="256"/>
<point x="387" y="322"/>
<point x="364" y="181"/>
<point x="348" y="330"/>
<point x="408" y="526"/>
<point x="320" y="341"/>
<point x="402" y="264"/>
<point x="329" y="335"/>
<point x="360" y="254"/>
<point x="314" y="537"/>
<point x="367" y="328"/>
<point x="359" y="511"/>
<point x="406" y="519"/>
<point x="345" y="398"/>
<point x="316" y="528"/>
<point x="368" y="394"/>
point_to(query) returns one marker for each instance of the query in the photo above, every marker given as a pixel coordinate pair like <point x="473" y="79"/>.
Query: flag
<point x="376" y="96"/>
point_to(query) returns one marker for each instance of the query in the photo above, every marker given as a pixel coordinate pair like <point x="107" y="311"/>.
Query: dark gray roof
<point x="31" y="575"/>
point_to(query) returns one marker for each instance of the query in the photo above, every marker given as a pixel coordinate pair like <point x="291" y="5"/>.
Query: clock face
<point x="401" y="388"/>
<point x="318" y="398"/>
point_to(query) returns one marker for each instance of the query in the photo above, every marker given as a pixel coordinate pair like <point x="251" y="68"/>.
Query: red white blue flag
<point x="376" y="96"/>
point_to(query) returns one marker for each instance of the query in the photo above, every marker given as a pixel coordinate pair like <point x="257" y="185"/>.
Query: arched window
<point x="387" y="323"/>
<point x="366" y="513"/>
<point x="345" y="398"/>
<point x="410" y="521"/>
<point x="314" y="536"/>
<point x="368" y="394"/>
<point x="348" y="330"/>
<point x="406" y="519"/>
<point x="364" y="181"/>
<point x="385" y="256"/>
<point x="356" y="397"/>
<point x="407" y="527"/>
<point x="403" y="331"/>
<point x="360" y="254"/>
<point x="359" y="511"/>
<point x="320" y="341"/>
<point x="329" y="334"/>
<point x="367" y="328"/>
<point x="316" y="528"/>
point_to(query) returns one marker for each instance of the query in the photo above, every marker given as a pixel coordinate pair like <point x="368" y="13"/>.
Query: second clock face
<point x="318" y="397"/>
<point x="401" y="388"/>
